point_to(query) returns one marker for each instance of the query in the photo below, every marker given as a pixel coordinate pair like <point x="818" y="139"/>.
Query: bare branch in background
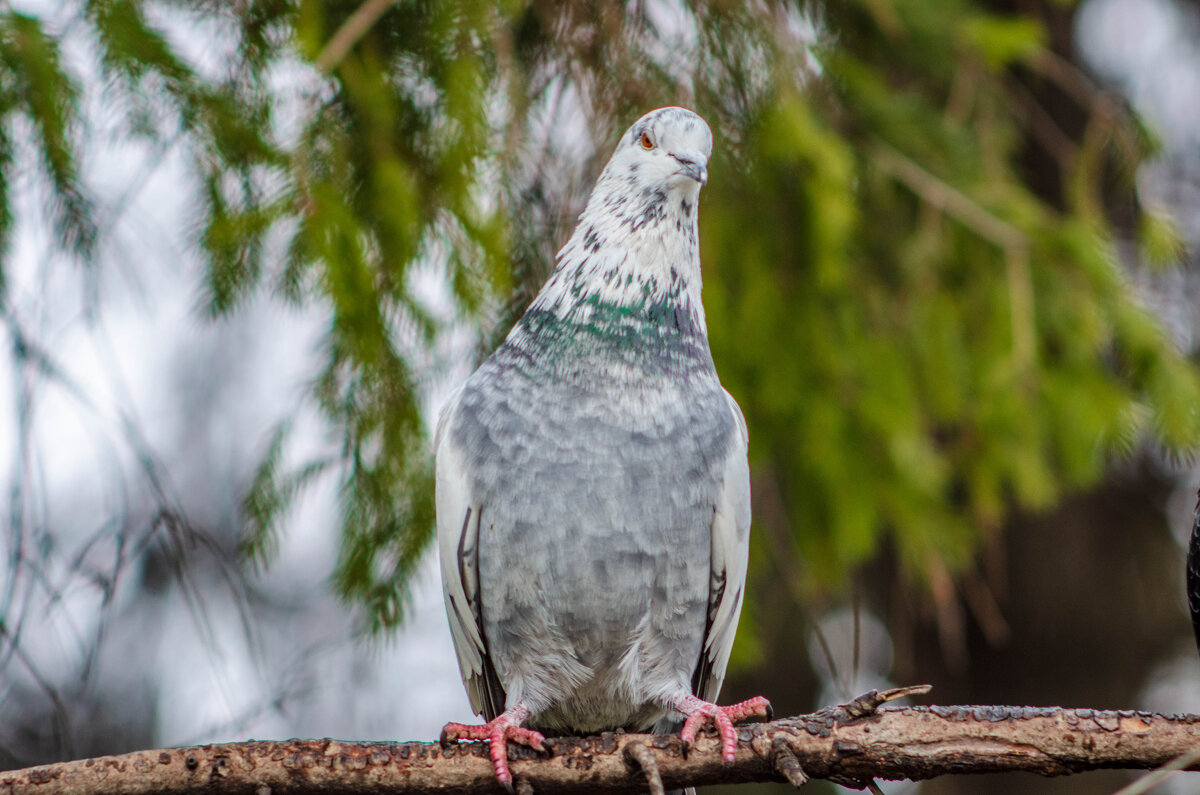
<point x="353" y="29"/>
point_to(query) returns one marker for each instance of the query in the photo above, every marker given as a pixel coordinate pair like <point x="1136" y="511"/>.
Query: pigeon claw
<point x="497" y="732"/>
<point x="698" y="712"/>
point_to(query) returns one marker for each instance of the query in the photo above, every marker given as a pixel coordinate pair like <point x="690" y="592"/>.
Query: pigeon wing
<point x="458" y="549"/>
<point x="730" y="552"/>
<point x="1193" y="574"/>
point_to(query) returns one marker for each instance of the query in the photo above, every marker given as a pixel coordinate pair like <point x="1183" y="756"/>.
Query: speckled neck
<point x="634" y="250"/>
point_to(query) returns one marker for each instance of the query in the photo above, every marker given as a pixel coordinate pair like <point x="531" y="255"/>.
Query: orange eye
<point x="646" y="142"/>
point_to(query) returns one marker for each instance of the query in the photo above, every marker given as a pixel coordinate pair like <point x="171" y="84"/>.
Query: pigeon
<point x="592" y="481"/>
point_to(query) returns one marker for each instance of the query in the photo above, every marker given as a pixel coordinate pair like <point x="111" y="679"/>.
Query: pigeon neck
<point x="636" y="258"/>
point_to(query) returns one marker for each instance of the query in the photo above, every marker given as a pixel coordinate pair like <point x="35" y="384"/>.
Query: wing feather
<point x="1193" y="574"/>
<point x="458" y="550"/>
<point x="730" y="553"/>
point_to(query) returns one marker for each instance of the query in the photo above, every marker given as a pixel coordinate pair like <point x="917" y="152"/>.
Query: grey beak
<point x="693" y="165"/>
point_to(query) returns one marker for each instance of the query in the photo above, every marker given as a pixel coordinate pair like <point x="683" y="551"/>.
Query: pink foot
<point x="506" y="726"/>
<point x="698" y="711"/>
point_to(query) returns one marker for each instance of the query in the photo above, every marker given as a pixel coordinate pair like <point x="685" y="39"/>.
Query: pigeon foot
<point x="497" y="732"/>
<point x="698" y="711"/>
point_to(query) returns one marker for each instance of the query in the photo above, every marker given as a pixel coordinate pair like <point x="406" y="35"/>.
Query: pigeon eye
<point x="646" y="142"/>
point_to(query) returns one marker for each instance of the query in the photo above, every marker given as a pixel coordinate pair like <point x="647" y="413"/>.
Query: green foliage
<point x="272" y="492"/>
<point x="38" y="90"/>
<point x="954" y="343"/>
<point x="913" y="289"/>
<point x="1001" y="42"/>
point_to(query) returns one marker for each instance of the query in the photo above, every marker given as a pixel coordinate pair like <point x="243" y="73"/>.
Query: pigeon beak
<point x="692" y="165"/>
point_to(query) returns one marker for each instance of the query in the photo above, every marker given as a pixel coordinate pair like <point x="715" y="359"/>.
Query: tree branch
<point x="851" y="744"/>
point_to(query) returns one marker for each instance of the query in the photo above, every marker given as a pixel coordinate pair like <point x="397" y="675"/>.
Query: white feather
<point x="730" y="555"/>
<point x="453" y="502"/>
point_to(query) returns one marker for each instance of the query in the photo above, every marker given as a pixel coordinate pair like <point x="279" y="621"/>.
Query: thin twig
<point x="947" y="198"/>
<point x="353" y="29"/>
<point x="1153" y="779"/>
<point x="786" y="764"/>
<point x="643" y="758"/>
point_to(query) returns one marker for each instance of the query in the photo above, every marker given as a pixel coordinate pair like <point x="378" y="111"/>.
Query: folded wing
<point x="730" y="551"/>
<point x="458" y="549"/>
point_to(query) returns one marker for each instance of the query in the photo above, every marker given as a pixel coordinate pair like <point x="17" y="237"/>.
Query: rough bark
<point x="850" y="744"/>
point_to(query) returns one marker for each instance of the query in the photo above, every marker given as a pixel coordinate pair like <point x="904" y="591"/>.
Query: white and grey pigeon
<point x="593" y="491"/>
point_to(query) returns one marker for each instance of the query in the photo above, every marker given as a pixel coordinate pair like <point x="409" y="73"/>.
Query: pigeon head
<point x="654" y="176"/>
<point x="668" y="147"/>
<point x="637" y="244"/>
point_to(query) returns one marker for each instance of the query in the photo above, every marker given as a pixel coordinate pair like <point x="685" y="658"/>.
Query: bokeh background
<point x="248" y="248"/>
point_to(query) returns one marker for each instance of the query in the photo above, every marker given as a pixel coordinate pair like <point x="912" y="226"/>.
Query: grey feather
<point x="592" y="483"/>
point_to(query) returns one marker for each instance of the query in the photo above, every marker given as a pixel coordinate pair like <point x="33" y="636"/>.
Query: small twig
<point x="948" y="199"/>
<point x="786" y="763"/>
<point x="869" y="702"/>
<point x="1156" y="777"/>
<point x="643" y="759"/>
<point x="353" y="29"/>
